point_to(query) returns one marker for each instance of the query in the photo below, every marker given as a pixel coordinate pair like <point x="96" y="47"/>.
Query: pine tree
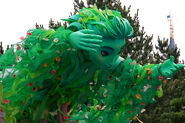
<point x="53" y="25"/>
<point x="168" y="109"/>
<point x="7" y="47"/>
<point x="164" y="52"/>
<point x="37" y="26"/>
<point x="1" y="49"/>
<point x="139" y="47"/>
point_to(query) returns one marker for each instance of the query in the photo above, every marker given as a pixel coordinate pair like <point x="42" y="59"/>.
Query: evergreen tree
<point x="37" y="26"/>
<point x="139" y="47"/>
<point x="181" y="74"/>
<point x="164" y="52"/>
<point x="1" y="49"/>
<point x="7" y="47"/>
<point x="53" y="25"/>
<point x="168" y="109"/>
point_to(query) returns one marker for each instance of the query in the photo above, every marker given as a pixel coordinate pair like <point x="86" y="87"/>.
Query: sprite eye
<point x="104" y="53"/>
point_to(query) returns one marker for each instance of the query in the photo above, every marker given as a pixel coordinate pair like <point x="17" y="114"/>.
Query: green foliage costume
<point x="79" y="67"/>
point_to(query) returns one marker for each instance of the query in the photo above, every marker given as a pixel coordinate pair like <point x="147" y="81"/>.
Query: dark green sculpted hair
<point x="107" y="23"/>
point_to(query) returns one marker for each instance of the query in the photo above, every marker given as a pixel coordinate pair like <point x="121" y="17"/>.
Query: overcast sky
<point x="17" y="16"/>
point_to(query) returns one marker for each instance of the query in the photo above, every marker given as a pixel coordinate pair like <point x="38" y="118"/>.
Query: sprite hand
<point x="85" y="40"/>
<point x="169" y="68"/>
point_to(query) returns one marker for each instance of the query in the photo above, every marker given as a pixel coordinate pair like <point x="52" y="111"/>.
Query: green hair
<point x="109" y="24"/>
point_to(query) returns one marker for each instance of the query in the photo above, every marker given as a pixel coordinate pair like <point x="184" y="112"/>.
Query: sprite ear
<point x="75" y="26"/>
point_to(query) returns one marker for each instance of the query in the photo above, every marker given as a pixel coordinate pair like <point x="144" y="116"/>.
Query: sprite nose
<point x="116" y="62"/>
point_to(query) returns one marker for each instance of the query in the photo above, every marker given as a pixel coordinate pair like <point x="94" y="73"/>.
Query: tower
<point x="172" y="43"/>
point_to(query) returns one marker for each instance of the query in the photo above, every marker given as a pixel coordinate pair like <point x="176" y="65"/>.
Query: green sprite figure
<point x="77" y="73"/>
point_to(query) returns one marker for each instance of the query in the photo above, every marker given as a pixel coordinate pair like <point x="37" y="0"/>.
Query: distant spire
<point x="172" y="42"/>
